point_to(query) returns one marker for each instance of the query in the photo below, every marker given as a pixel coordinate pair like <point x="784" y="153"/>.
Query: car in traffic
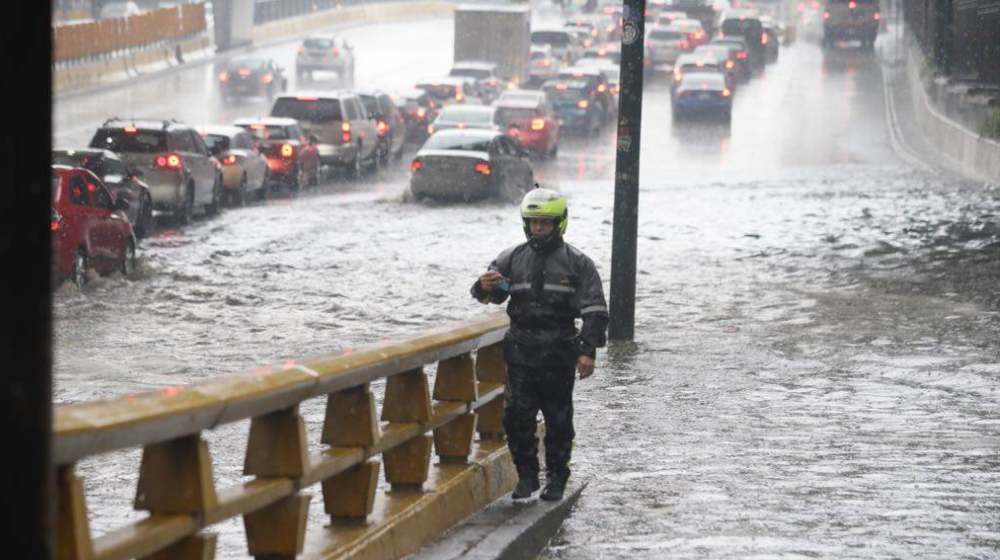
<point x="702" y="94"/>
<point x="665" y="45"/>
<point x="746" y="24"/>
<point x="418" y="111"/>
<point x="724" y="56"/>
<point x="851" y="20"/>
<point x="251" y="77"/>
<point x="701" y="63"/>
<point x="488" y="81"/>
<point x="693" y="31"/>
<point x="564" y="43"/>
<point x="89" y="228"/>
<point x="612" y="73"/>
<point x="449" y="90"/>
<point x="390" y="126"/>
<point x="543" y="66"/>
<point x="597" y="87"/>
<point x="174" y="161"/>
<point x="344" y="135"/>
<point x="121" y="181"/>
<point x="738" y="47"/>
<point x="325" y="53"/>
<point x="530" y="119"/>
<point x="292" y="157"/>
<point x="575" y="105"/>
<point x="465" y="116"/>
<point x="469" y="164"/>
<point x="244" y="167"/>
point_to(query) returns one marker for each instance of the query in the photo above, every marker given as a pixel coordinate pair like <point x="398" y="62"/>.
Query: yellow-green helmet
<point x="545" y="203"/>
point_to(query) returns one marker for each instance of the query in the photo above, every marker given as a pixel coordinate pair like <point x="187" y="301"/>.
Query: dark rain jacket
<point x="549" y="288"/>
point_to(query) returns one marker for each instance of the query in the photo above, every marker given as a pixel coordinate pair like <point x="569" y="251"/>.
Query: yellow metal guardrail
<point x="175" y="475"/>
<point x="83" y="41"/>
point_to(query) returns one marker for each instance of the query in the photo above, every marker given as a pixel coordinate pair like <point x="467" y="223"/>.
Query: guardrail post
<point x="277" y="445"/>
<point x="279" y="530"/>
<point x="491" y="366"/>
<point x="73" y="531"/>
<point x="176" y="477"/>
<point x="351" y="422"/>
<point x="407" y="399"/>
<point x="456" y="381"/>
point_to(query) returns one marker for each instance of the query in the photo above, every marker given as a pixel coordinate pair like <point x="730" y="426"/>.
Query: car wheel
<point x="186" y="213"/>
<point x="127" y="266"/>
<point x="79" y="272"/>
<point x="144" y="227"/>
<point x="212" y="208"/>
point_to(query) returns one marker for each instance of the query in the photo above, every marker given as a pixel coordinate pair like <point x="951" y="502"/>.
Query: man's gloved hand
<point x="490" y="280"/>
<point x="585" y="366"/>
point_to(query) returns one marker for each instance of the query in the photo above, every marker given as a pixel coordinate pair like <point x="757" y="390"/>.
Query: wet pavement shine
<point x="815" y="367"/>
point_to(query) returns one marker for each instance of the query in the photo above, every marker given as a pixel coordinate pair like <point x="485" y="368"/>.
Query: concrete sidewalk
<point x="505" y="530"/>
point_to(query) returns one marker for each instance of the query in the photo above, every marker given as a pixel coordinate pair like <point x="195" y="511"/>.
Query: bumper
<point x="450" y="188"/>
<point x="537" y="141"/>
<point x="232" y="176"/>
<point x="282" y="170"/>
<point x="335" y="154"/>
<point x="694" y="104"/>
<point x="574" y="118"/>
<point x="165" y="188"/>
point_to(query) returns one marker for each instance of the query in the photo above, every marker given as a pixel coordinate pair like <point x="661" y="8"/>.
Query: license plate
<point x="704" y="96"/>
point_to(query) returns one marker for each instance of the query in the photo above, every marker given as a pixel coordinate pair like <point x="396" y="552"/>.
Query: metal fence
<point x="961" y="37"/>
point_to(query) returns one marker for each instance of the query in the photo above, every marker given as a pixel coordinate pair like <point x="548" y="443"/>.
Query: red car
<point x="292" y="156"/>
<point x="529" y="118"/>
<point x="89" y="228"/>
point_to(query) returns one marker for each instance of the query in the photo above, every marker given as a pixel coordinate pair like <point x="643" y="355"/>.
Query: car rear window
<point x="370" y="103"/>
<point x="665" y="35"/>
<point x="216" y="142"/>
<point x="316" y="44"/>
<point x="740" y="26"/>
<point x="507" y="115"/>
<point x="453" y="142"/>
<point x="703" y="81"/>
<point x="554" y="38"/>
<point x="438" y="91"/>
<point x="138" y="142"/>
<point x="312" y="110"/>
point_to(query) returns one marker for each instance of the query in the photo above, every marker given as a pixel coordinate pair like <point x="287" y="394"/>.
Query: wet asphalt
<point x="815" y="364"/>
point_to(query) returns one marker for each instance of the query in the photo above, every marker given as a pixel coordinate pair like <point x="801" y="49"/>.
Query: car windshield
<point x="464" y="114"/>
<point x="554" y="38"/>
<point x="457" y="142"/>
<point x="216" y="143"/>
<point x="477" y="73"/>
<point x="138" y="141"/>
<point x="267" y="131"/>
<point x="311" y="110"/>
<point x="665" y="35"/>
<point x="318" y="43"/>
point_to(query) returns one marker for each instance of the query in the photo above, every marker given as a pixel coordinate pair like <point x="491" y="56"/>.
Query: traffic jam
<point x="477" y="132"/>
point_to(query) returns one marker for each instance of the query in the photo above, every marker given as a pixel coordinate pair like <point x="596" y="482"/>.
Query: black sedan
<point x="122" y="181"/>
<point x="470" y="164"/>
<point x="251" y="77"/>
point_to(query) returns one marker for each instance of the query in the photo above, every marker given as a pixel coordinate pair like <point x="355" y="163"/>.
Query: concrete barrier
<point x="969" y="153"/>
<point x="369" y="13"/>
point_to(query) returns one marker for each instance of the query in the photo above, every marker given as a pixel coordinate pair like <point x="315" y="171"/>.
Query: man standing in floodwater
<point x="550" y="283"/>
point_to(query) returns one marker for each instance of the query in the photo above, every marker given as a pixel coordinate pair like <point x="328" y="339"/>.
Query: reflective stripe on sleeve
<point x="520" y="286"/>
<point x="594" y="309"/>
<point x="559" y="288"/>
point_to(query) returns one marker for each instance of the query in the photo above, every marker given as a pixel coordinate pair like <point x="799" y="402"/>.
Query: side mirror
<point x="121" y="203"/>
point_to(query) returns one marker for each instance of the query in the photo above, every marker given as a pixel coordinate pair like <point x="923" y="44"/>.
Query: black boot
<point x="555" y="487"/>
<point x="525" y="488"/>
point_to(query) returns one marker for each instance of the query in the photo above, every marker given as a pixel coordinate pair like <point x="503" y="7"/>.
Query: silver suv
<point x="325" y="53"/>
<point x="346" y="137"/>
<point x="175" y="163"/>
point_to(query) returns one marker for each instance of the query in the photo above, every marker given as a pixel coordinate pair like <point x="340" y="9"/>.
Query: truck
<point x="496" y="34"/>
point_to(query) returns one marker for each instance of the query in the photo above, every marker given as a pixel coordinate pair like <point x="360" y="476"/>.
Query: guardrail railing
<point x="176" y="484"/>
<point x="105" y="38"/>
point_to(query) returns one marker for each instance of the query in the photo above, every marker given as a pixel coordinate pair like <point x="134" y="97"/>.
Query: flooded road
<point x="816" y="356"/>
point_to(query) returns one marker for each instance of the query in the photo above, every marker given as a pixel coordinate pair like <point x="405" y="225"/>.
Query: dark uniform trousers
<point x="543" y="382"/>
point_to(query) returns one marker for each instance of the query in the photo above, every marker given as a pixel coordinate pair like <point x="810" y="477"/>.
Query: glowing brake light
<point x="229" y="160"/>
<point x="546" y="62"/>
<point x="482" y="168"/>
<point x="678" y="76"/>
<point x="267" y="78"/>
<point x="130" y="130"/>
<point x="852" y="5"/>
<point x="877" y="16"/>
<point x="345" y="132"/>
<point x="763" y="38"/>
<point x="602" y="88"/>
<point x="683" y="45"/>
<point x="244" y="72"/>
<point x="55" y="225"/>
<point x="562" y="86"/>
<point x="741" y="55"/>
<point x="583" y="103"/>
<point x="726" y="92"/>
<point x="416" y="165"/>
<point x="287" y="150"/>
<point x="826" y="15"/>
<point x="537" y="124"/>
<point x="224" y="76"/>
<point x="173" y="161"/>
<point x="307" y="98"/>
<point x="458" y="95"/>
<point x="730" y="64"/>
<point x="421" y="112"/>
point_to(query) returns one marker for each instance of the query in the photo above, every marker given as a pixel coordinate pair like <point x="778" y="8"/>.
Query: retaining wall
<point x="973" y="155"/>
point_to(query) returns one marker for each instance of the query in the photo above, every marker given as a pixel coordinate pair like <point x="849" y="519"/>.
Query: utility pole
<point x="25" y="343"/>
<point x="626" y="217"/>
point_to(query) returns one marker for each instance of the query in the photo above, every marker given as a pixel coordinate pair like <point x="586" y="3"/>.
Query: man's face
<point x="541" y="227"/>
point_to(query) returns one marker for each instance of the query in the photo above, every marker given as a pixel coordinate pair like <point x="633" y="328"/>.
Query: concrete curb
<point x="505" y="530"/>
